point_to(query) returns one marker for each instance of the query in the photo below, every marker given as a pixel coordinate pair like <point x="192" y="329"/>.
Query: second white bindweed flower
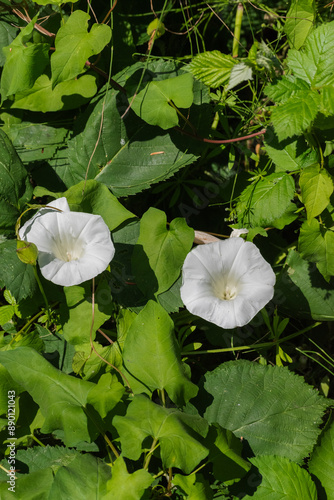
<point x="226" y="282"/>
<point x="73" y="247"/>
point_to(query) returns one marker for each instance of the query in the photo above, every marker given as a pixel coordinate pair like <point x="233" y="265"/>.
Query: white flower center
<point x="68" y="250"/>
<point x="225" y="290"/>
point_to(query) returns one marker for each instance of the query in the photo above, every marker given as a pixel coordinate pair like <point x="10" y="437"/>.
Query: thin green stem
<point x="37" y="440"/>
<point x="263" y="345"/>
<point x="149" y="455"/>
<point x="237" y="30"/>
<point x="43" y="295"/>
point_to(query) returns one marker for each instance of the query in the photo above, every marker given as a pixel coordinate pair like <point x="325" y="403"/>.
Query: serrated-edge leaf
<point x="212" y="68"/>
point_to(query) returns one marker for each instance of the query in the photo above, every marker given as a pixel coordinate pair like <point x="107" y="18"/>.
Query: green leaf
<point x="57" y="471"/>
<point x="240" y="72"/>
<point x="266" y="200"/>
<point x="316" y="189"/>
<point x="77" y="314"/>
<point x="151" y="336"/>
<point x="160" y="251"/>
<point x="289" y="155"/>
<point x="18" y="277"/>
<point x="286" y="87"/>
<point x="179" y="434"/>
<point x="54" y="2"/>
<point x="106" y="394"/>
<point x="282" y="479"/>
<point x="93" y="197"/>
<point x="195" y="487"/>
<point x="74" y="45"/>
<point x="7" y="35"/>
<point x="299" y="22"/>
<point x="25" y="62"/>
<point x="322" y="461"/>
<point x="327" y="100"/>
<point x="313" y="64"/>
<point x="66" y="95"/>
<point x="212" y="68"/>
<point x="305" y="292"/>
<point x="295" y="115"/>
<point x="15" y="188"/>
<point x="275" y="410"/>
<point x="155" y="104"/>
<point x="62" y="398"/>
<point x="225" y="455"/>
<point x="125" y="486"/>
<point x="316" y="244"/>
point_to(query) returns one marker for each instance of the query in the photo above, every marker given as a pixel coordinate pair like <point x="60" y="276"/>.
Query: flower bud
<point x="27" y="252"/>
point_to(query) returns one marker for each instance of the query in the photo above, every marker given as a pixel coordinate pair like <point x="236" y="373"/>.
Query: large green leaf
<point x="125" y="486"/>
<point x="66" y="95"/>
<point x="322" y="462"/>
<point x="299" y="22"/>
<point x="275" y="410"/>
<point x="286" y="87"/>
<point x="15" y="188"/>
<point x="266" y="200"/>
<point x="105" y="394"/>
<point x="151" y="337"/>
<point x="302" y="291"/>
<point x="212" y="68"/>
<point x="195" y="487"/>
<point x="77" y="315"/>
<point x="128" y="155"/>
<point x="55" y="472"/>
<point x="25" y="62"/>
<point x="282" y="479"/>
<point x="316" y="244"/>
<point x="7" y="35"/>
<point x="160" y="251"/>
<point x="16" y="276"/>
<point x="179" y="434"/>
<point x="154" y="103"/>
<point x="62" y="398"/>
<point x="313" y="63"/>
<point x="74" y="45"/>
<point x="316" y="187"/>
<point x="93" y="197"/>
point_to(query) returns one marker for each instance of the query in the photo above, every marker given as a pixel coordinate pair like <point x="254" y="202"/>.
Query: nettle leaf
<point x="151" y="337"/>
<point x="154" y="104"/>
<point x="275" y="410"/>
<point x="25" y="62"/>
<point x="66" y="95"/>
<point x="305" y="292"/>
<point x="125" y="486"/>
<point x="282" y="479"/>
<point x="290" y="154"/>
<point x="74" y="45"/>
<point x="295" y="115"/>
<point x="313" y="63"/>
<point x="195" y="487"/>
<point x="77" y="314"/>
<point x="16" y="276"/>
<point x="299" y="22"/>
<point x="316" y="244"/>
<point x="316" y="189"/>
<point x="322" y="461"/>
<point x="160" y="251"/>
<point x="327" y="100"/>
<point x="15" y="188"/>
<point x="286" y="87"/>
<point x="212" y="68"/>
<point x="61" y="397"/>
<point x="265" y="201"/>
<point x="178" y="433"/>
<point x="93" y="197"/>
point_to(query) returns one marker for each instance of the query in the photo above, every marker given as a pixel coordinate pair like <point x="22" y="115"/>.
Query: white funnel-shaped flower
<point x="73" y="247"/>
<point x="226" y="282"/>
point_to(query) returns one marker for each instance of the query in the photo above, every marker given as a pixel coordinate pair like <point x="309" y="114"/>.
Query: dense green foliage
<point x="166" y="118"/>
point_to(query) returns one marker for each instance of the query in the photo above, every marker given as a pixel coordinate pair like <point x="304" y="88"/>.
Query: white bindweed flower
<point x="227" y="282"/>
<point x="73" y="247"/>
<point x="236" y="233"/>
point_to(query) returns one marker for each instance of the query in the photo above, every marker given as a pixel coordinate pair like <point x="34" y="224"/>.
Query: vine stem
<point x="43" y="295"/>
<point x="221" y="141"/>
<point x="237" y="29"/>
<point x="273" y="343"/>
